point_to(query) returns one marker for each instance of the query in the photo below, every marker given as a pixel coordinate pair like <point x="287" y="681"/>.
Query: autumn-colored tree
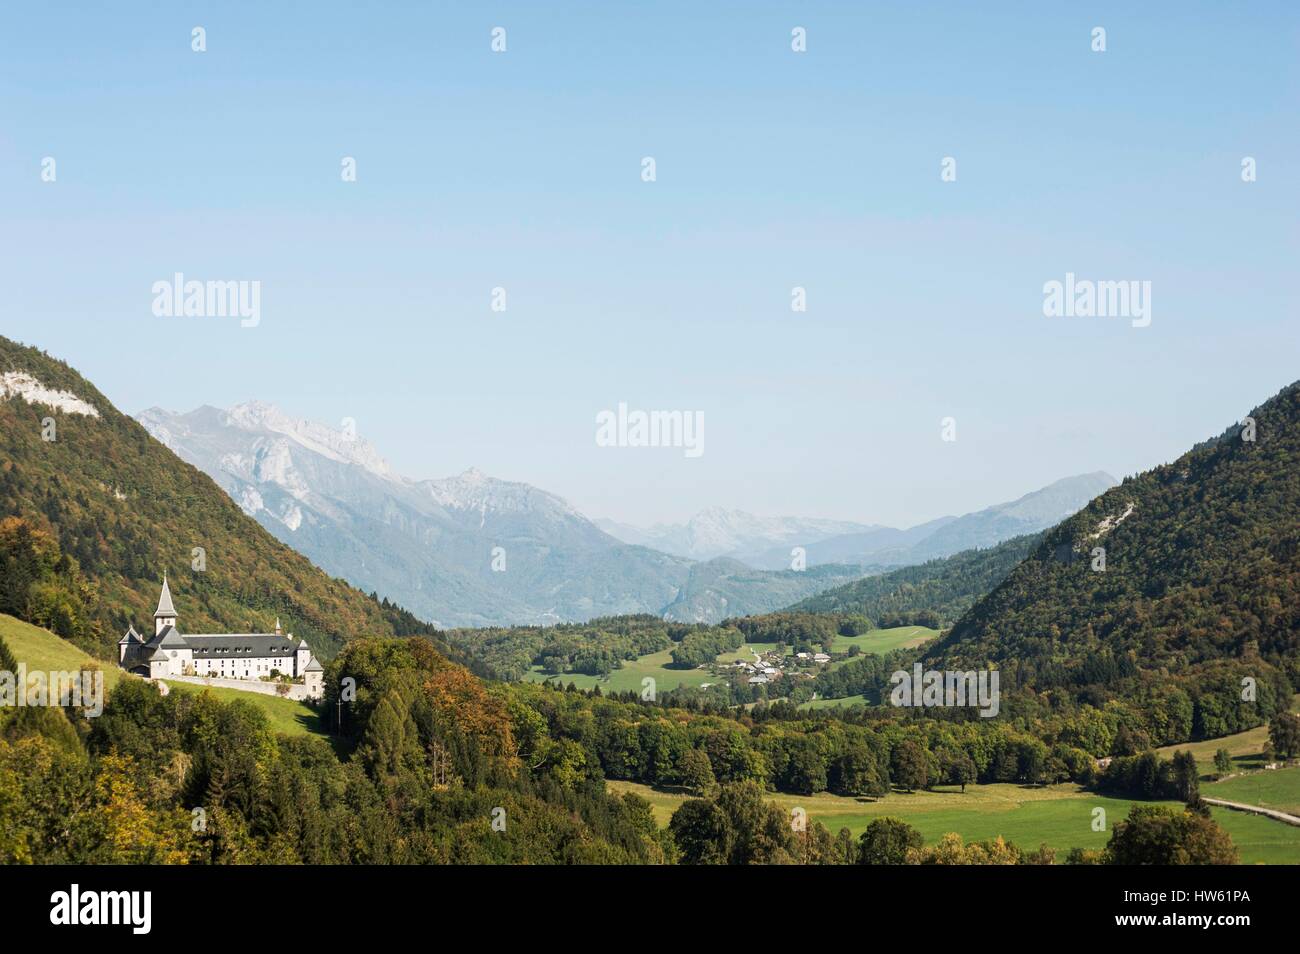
<point x="133" y="832"/>
<point x="950" y="850"/>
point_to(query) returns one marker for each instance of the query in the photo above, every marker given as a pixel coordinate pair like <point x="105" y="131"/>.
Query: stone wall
<point x="296" y="692"/>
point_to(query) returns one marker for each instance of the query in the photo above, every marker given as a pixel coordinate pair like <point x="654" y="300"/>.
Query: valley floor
<point x="1060" y="816"/>
<point x="657" y="665"/>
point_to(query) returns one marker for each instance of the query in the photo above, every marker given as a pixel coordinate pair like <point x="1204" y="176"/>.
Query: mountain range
<point x="474" y="550"/>
<point x="99" y="507"/>
<point x="765" y="543"/>
<point x="469" y="550"/>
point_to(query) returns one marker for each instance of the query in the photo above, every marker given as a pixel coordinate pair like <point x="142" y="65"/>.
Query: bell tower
<point x="165" y="615"/>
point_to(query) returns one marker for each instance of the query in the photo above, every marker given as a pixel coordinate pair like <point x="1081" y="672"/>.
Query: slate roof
<point x="130" y="638"/>
<point x="314" y="666"/>
<point x="165" y="607"/>
<point x="169" y="638"/>
<point x="241" y="644"/>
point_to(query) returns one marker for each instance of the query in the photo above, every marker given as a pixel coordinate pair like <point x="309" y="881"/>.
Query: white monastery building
<point x="249" y="656"/>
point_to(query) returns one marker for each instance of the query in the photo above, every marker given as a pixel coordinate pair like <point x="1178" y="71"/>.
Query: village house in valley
<point x="244" y="656"/>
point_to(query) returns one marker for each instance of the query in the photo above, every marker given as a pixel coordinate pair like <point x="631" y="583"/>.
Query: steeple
<point x="277" y="626"/>
<point x="165" y="615"/>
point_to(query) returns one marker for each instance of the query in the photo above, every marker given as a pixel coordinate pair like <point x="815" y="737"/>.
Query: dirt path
<point x="1256" y="810"/>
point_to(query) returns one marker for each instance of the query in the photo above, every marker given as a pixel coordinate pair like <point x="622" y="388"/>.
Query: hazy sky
<point x="775" y="169"/>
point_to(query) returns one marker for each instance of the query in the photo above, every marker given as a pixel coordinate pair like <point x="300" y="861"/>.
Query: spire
<point x="165" y="607"/>
<point x="277" y="626"/>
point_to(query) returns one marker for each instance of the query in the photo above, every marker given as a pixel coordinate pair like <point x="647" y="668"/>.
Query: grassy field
<point x="1246" y="748"/>
<point x="858" y="700"/>
<point x="285" y="715"/>
<point x="1058" y="815"/>
<point x="1279" y="790"/>
<point x="746" y="652"/>
<point x="42" y="650"/>
<point x="629" y="677"/>
<point x="881" y="641"/>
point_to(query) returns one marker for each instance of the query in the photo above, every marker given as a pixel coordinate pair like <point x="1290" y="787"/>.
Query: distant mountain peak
<point x="340" y="444"/>
<point x="474" y="490"/>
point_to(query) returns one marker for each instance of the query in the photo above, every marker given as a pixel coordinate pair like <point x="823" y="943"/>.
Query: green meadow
<point x="746" y="652"/>
<point x="1278" y="789"/>
<point x="881" y="641"/>
<point x="628" y="678"/>
<point x="285" y="715"/>
<point x="42" y="650"/>
<point x="842" y="702"/>
<point x="1245" y="748"/>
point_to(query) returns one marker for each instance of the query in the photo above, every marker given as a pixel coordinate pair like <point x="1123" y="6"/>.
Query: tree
<point x="887" y="841"/>
<point x="1222" y="762"/>
<point x="1187" y="777"/>
<point x="949" y="850"/>
<point x="738" y="826"/>
<point x="762" y="833"/>
<point x="957" y="768"/>
<point x="1085" y="856"/>
<point x="911" y="767"/>
<point x="1156" y="835"/>
<point x="1284" y="734"/>
<point x="702" y="833"/>
<point x="1045" y="855"/>
<point x="848" y="853"/>
<point x="858" y="772"/>
<point x="697" y="772"/>
<point x="816" y="846"/>
<point x="806" y="771"/>
<point x="1130" y="740"/>
<point x="1033" y="761"/>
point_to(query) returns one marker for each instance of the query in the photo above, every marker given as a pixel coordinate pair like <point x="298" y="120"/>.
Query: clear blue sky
<point x="775" y="169"/>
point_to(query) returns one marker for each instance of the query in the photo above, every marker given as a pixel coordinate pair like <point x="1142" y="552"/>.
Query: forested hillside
<point x="1201" y="576"/>
<point x="931" y="594"/>
<point x="99" y="510"/>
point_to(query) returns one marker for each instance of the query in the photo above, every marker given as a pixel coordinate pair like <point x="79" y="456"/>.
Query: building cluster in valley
<point x="772" y="665"/>
<point x="252" y="657"/>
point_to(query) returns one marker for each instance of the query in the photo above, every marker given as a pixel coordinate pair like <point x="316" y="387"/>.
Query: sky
<point x="774" y="169"/>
